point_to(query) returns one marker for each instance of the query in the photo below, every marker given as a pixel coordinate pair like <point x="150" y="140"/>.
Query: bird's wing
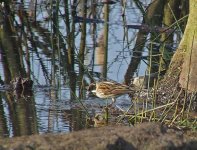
<point x="114" y="88"/>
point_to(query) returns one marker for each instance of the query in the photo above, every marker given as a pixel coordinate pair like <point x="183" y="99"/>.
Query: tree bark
<point x="188" y="50"/>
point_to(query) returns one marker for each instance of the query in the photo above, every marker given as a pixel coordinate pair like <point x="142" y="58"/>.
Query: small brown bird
<point x="109" y="89"/>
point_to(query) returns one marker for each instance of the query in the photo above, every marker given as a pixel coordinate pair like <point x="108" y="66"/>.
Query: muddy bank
<point x="144" y="136"/>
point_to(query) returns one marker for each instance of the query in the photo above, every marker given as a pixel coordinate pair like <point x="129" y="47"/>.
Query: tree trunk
<point x="188" y="52"/>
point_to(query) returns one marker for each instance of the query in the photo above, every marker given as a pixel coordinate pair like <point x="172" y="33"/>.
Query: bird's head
<point x="91" y="89"/>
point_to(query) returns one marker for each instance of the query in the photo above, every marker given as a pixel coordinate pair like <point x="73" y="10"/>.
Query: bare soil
<point x="145" y="136"/>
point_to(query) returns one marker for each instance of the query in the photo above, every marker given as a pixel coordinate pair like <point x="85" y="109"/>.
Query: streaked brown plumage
<point x="109" y="89"/>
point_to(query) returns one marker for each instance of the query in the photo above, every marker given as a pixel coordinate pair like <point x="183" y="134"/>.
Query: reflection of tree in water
<point x="22" y="116"/>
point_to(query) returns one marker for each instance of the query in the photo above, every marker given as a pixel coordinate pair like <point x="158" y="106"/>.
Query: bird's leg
<point x="106" y="104"/>
<point x="106" y="110"/>
<point x="113" y="101"/>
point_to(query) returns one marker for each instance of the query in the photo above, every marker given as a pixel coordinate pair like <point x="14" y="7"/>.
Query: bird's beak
<point x="94" y="92"/>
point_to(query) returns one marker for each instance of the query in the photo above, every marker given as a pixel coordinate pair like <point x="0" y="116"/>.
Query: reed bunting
<point x="109" y="89"/>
